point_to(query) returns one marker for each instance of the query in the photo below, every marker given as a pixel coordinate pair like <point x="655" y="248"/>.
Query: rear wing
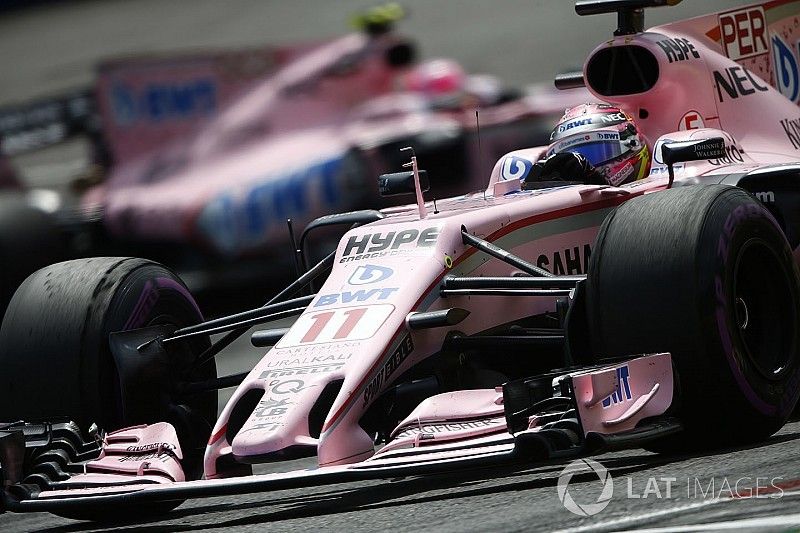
<point x="139" y="103"/>
<point x="144" y="102"/>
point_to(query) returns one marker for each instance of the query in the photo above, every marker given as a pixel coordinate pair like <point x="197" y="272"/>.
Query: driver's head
<point x="439" y="80"/>
<point x="607" y="137"/>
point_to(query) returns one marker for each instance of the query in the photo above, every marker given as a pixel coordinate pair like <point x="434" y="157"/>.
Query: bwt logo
<point x="515" y="168"/>
<point x="158" y="102"/>
<point x="366" y="274"/>
<point x="787" y="73"/>
<point x="361" y="295"/>
<point x="623" y="392"/>
<point x="574" y="124"/>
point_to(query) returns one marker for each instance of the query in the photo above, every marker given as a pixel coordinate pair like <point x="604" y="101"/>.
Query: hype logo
<point x="366" y="274"/>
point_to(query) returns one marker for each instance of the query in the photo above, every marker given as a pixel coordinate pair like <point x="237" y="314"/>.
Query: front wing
<point x="586" y="411"/>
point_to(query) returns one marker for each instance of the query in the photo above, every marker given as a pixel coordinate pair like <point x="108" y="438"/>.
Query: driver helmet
<point x="439" y="80"/>
<point x="607" y="137"/>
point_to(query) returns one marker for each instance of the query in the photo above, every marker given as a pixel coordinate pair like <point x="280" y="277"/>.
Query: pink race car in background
<point x="200" y="158"/>
<point x="524" y="322"/>
<point x="204" y="174"/>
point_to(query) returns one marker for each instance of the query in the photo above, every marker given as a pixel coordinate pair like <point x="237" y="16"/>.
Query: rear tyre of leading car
<point x="706" y="274"/>
<point x="29" y="240"/>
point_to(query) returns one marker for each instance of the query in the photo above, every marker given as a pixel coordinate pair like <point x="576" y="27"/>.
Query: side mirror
<point x="676" y="152"/>
<point x="351" y="218"/>
<point x="402" y="183"/>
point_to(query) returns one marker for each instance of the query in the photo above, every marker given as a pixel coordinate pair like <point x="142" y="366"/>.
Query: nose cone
<point x="278" y="425"/>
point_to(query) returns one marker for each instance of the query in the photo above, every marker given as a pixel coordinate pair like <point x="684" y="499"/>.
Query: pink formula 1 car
<point x="204" y="172"/>
<point x="511" y="325"/>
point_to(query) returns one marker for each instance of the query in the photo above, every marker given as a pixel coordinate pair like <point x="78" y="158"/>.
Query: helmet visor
<point x="596" y="147"/>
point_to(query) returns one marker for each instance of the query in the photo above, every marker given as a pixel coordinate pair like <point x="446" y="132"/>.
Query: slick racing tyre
<point x="56" y="360"/>
<point x="706" y="274"/>
<point x="29" y="240"/>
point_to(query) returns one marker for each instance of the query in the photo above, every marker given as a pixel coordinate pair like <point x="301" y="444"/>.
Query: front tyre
<point x="706" y="274"/>
<point x="55" y="355"/>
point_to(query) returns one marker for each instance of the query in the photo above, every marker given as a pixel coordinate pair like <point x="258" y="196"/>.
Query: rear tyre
<point x="29" y="240"/>
<point x="706" y="274"/>
<point x="55" y="355"/>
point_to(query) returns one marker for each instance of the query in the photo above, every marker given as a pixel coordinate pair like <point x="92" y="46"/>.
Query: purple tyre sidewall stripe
<point x="149" y="297"/>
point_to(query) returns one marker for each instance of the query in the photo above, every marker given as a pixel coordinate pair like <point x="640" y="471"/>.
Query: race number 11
<point x="347" y="323"/>
<point x="321" y="320"/>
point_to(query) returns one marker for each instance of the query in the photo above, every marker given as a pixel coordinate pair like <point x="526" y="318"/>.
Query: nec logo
<point x="736" y="82"/>
<point x="367" y="274"/>
<point x="743" y="33"/>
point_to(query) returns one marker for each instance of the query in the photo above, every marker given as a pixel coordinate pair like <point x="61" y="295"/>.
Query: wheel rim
<point x="763" y="309"/>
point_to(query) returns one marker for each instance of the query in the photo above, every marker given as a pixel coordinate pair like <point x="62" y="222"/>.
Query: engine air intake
<point x="622" y="70"/>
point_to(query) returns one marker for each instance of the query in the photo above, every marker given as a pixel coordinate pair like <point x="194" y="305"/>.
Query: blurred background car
<point x="29" y="236"/>
<point x="197" y="158"/>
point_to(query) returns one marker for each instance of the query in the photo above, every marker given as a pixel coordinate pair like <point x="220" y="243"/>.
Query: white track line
<point x="788" y="520"/>
<point x="612" y="525"/>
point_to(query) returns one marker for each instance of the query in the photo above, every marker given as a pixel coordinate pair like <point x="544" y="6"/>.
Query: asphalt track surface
<point x="51" y="48"/>
<point x="509" y="499"/>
